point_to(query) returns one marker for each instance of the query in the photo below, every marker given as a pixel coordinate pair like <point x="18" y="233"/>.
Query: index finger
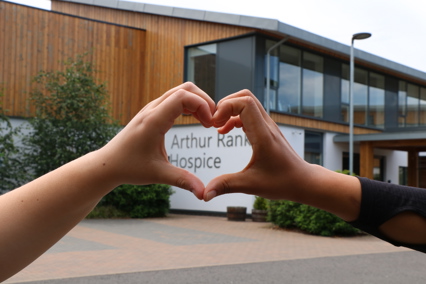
<point x="164" y="114"/>
<point x="245" y="93"/>
<point x="190" y="87"/>
<point x="250" y="117"/>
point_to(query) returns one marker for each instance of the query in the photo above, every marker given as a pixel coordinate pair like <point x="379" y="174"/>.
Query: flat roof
<point x="266" y="24"/>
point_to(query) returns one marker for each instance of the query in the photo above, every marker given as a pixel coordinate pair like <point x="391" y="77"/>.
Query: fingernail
<point x="210" y="195"/>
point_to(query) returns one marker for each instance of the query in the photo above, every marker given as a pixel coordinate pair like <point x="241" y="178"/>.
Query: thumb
<point x="182" y="178"/>
<point x="224" y="184"/>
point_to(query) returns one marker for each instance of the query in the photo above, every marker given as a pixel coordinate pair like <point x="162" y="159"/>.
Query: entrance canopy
<point x="412" y="142"/>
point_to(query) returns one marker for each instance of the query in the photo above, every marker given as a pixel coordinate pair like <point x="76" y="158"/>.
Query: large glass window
<point x="412" y="117"/>
<point x="201" y="67"/>
<point x="290" y="80"/>
<point x="422" y="107"/>
<point x="312" y="87"/>
<point x="402" y="103"/>
<point x="273" y="76"/>
<point x="376" y="100"/>
<point x="297" y="87"/>
<point x="296" y="81"/>
<point x="313" y="147"/>
<point x="344" y="91"/>
<point x="360" y="96"/>
<point x="369" y="97"/>
<point x="411" y="105"/>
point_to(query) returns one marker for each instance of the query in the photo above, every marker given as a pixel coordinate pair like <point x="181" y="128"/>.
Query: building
<point x="146" y="49"/>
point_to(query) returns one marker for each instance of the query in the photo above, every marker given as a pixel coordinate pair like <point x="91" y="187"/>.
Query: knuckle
<point x="180" y="93"/>
<point x="226" y="187"/>
<point x="181" y="182"/>
<point x="188" y="85"/>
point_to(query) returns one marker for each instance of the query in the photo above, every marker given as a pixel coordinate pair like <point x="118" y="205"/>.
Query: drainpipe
<point x="268" y="71"/>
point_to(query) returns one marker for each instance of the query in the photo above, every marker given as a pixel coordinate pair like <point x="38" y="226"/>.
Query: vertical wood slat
<point x="166" y="38"/>
<point x="32" y="40"/>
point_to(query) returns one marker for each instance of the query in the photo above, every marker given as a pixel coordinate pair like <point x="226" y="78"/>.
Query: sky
<point x="398" y="27"/>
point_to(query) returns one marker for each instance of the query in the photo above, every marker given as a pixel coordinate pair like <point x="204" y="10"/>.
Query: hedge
<point x="135" y="201"/>
<point x="288" y="214"/>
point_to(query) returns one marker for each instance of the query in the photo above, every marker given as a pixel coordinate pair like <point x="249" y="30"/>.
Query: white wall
<point x="333" y="152"/>
<point x="207" y="154"/>
<point x="393" y="160"/>
<point x="23" y="124"/>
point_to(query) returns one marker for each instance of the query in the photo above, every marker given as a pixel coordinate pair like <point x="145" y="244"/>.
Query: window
<point x="369" y="97"/>
<point x="312" y="94"/>
<point x="422" y="121"/>
<point x="201" y="67"/>
<point x="376" y="101"/>
<point x="296" y="81"/>
<point x="360" y="96"/>
<point x="273" y="76"/>
<point x="402" y="103"/>
<point x="379" y="168"/>
<point x="403" y="174"/>
<point x="411" y="105"/>
<point x="290" y="80"/>
<point x="345" y="162"/>
<point x="313" y="147"/>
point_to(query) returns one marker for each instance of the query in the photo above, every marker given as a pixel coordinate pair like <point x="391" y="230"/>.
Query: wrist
<point x="331" y="191"/>
<point x="101" y="173"/>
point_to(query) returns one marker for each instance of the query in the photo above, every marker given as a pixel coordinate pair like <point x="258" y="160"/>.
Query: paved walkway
<point x="103" y="247"/>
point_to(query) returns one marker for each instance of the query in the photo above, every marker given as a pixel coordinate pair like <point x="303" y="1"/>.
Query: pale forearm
<point x="41" y="212"/>
<point x="37" y="215"/>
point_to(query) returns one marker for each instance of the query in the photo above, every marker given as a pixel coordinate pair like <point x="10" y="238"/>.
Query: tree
<point x="10" y="168"/>
<point x="72" y="117"/>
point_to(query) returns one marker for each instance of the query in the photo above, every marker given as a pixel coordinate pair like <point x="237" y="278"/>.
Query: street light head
<point x="361" y="36"/>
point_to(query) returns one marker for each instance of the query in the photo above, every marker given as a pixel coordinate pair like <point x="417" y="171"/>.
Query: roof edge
<point x="267" y="24"/>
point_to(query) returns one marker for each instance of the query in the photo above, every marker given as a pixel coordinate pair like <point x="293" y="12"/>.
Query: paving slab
<point x="108" y="248"/>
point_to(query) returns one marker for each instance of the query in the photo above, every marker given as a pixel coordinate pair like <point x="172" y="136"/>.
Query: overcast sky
<point x="398" y="26"/>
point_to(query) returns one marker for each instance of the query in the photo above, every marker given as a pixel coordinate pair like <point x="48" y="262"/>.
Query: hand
<point x="137" y="154"/>
<point x="275" y="170"/>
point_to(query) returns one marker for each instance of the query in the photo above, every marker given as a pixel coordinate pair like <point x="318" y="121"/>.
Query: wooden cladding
<point x="32" y="40"/>
<point x="166" y="38"/>
<point x="313" y="123"/>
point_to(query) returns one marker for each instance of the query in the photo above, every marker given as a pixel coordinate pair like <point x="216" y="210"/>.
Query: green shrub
<point x="283" y="213"/>
<point x="260" y="203"/>
<point x="10" y="166"/>
<point x="72" y="117"/>
<point x="138" y="201"/>
<point x="106" y="212"/>
<point x="288" y="214"/>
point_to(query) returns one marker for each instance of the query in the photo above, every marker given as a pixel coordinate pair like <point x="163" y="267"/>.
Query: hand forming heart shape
<point x="142" y="139"/>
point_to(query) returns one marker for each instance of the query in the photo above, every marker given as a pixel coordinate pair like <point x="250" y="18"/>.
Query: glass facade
<point x="289" y="89"/>
<point x="296" y="82"/>
<point x="411" y="105"/>
<point x="201" y="67"/>
<point x="312" y="85"/>
<point x="305" y="83"/>
<point x="369" y="97"/>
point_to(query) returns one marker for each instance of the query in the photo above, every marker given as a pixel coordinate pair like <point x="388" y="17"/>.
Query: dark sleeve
<point x="381" y="201"/>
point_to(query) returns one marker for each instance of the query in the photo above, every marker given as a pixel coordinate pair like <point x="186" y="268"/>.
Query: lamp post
<point x="351" y="100"/>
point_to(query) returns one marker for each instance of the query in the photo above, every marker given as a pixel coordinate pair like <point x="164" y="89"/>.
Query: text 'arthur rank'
<point x="191" y="141"/>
